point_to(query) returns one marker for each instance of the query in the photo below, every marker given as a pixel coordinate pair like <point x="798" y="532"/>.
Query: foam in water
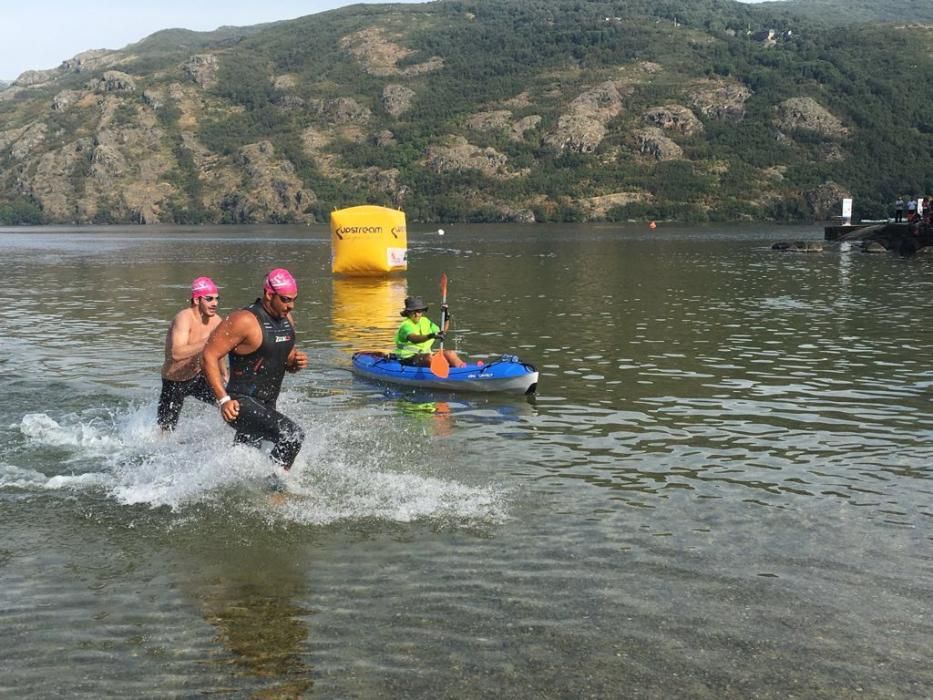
<point x="346" y="470"/>
<point x="42" y="429"/>
<point x="15" y="477"/>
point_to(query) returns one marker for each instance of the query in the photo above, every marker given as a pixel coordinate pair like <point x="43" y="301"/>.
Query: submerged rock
<point x="799" y="246"/>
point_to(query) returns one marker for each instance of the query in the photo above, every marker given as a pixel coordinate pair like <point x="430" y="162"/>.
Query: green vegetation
<point x="876" y="79"/>
<point x="20" y="211"/>
<point x="857" y="11"/>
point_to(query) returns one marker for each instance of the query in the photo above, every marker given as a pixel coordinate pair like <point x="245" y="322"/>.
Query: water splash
<point x="42" y="429"/>
<point x="348" y="470"/>
<point x="13" y="477"/>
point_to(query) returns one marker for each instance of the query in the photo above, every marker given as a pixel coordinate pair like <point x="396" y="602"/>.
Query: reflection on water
<point x="365" y="311"/>
<point x="436" y="414"/>
<point x="728" y="460"/>
<point x="250" y="595"/>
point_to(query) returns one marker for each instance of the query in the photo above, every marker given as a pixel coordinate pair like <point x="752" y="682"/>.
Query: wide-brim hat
<point x="413" y="304"/>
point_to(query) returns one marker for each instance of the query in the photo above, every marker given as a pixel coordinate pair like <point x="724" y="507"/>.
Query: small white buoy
<point x="440" y="232"/>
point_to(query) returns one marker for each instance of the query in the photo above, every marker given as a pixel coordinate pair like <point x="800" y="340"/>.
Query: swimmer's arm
<point x="223" y="361"/>
<point x="296" y="360"/>
<point x="236" y="330"/>
<point x="232" y="332"/>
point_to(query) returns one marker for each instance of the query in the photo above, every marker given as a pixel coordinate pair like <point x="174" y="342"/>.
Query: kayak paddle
<point x="439" y="364"/>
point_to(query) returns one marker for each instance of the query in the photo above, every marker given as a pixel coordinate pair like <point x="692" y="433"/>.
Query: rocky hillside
<point x="500" y="110"/>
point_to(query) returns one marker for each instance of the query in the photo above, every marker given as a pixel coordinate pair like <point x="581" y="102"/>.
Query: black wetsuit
<point x="173" y="396"/>
<point x="255" y="381"/>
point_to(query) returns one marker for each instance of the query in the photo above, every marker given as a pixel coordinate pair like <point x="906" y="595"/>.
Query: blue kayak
<point x="506" y="374"/>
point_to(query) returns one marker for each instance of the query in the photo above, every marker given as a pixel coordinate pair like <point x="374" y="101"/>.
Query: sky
<point x="40" y="34"/>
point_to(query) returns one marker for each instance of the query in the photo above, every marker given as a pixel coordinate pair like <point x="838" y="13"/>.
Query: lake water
<point x="724" y="488"/>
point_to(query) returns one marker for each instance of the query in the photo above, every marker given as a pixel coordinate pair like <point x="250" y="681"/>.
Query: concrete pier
<point x="904" y="238"/>
<point x="836" y="231"/>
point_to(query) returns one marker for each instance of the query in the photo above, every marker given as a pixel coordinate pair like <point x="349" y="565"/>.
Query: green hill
<point x="492" y="110"/>
<point x="844" y="12"/>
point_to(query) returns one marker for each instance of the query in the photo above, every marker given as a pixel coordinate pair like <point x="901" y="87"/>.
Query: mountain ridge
<point x="532" y="110"/>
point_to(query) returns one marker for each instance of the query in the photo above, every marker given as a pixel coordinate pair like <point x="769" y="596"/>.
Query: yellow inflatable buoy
<point x="368" y="240"/>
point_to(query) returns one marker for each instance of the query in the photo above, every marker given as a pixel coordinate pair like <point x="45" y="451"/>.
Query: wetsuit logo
<point x="282" y="338"/>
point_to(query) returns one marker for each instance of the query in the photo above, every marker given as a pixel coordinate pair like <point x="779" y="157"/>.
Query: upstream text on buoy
<point x="368" y="240"/>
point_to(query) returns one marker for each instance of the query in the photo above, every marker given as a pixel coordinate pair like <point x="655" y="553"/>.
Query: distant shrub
<point x="21" y="211"/>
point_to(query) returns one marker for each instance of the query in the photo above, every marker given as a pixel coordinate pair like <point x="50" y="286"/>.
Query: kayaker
<point x="184" y="341"/>
<point x="260" y="340"/>
<point x="417" y="334"/>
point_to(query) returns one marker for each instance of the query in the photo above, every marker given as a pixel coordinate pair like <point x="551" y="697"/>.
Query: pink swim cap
<point x="280" y="281"/>
<point x="203" y="286"/>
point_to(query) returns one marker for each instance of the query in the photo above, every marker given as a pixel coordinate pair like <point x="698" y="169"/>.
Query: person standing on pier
<point x="899" y="209"/>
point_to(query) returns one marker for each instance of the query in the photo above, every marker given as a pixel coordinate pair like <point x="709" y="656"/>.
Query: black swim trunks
<point x="173" y="396"/>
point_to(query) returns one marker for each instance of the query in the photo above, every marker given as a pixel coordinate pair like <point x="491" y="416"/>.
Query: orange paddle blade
<point x="439" y="365"/>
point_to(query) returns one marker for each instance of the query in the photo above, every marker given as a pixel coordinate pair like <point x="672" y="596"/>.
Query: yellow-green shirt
<point x="425" y="326"/>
